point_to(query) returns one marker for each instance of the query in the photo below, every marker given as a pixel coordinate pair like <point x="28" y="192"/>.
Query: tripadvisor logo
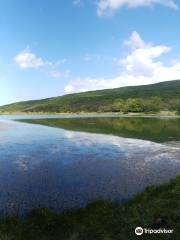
<point x="139" y="231"/>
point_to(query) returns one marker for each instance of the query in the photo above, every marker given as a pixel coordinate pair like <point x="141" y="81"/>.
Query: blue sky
<point x="50" y="48"/>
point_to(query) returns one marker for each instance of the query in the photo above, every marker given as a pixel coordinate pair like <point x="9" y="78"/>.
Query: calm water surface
<point x="42" y="166"/>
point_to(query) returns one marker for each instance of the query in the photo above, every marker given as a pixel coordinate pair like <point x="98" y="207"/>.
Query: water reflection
<point x="48" y="167"/>
<point x="146" y="128"/>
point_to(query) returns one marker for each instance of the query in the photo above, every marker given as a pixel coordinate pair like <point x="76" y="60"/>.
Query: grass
<point x="84" y="113"/>
<point x="157" y="207"/>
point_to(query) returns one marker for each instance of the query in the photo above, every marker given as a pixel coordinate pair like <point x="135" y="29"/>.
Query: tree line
<point x="142" y="105"/>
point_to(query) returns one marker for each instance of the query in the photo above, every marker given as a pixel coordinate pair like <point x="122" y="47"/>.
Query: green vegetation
<point x="142" y="99"/>
<point x="157" y="207"/>
<point x="178" y="110"/>
<point x="154" y="129"/>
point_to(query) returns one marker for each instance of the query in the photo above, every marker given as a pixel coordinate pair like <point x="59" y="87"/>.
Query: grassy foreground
<point x="157" y="207"/>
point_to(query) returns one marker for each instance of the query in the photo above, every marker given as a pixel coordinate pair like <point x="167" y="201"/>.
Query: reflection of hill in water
<point x="153" y="129"/>
<point x="49" y="167"/>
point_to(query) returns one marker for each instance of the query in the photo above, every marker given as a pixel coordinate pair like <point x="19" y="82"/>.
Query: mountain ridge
<point x="165" y="94"/>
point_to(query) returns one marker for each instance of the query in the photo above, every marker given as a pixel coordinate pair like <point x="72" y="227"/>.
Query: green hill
<point x="146" y="98"/>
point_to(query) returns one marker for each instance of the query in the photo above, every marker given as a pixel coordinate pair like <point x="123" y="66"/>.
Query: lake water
<point x="42" y="166"/>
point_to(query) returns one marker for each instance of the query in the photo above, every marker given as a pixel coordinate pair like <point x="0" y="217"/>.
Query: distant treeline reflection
<point x="154" y="129"/>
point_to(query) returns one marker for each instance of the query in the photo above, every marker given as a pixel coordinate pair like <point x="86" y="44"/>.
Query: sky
<point x="54" y="47"/>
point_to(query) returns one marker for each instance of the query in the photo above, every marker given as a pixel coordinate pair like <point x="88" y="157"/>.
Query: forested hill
<point x="146" y="98"/>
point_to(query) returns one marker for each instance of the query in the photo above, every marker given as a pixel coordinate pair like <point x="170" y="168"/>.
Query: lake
<point x="81" y="160"/>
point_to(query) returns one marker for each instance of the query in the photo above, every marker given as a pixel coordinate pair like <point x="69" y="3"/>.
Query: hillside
<point x="146" y="98"/>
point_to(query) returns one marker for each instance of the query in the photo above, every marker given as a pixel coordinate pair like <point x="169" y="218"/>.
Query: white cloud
<point x="55" y="74"/>
<point x="69" y="89"/>
<point x="58" y="74"/>
<point x="87" y="57"/>
<point x="60" y="62"/>
<point x="141" y="66"/>
<point x="135" y="41"/>
<point x="77" y="2"/>
<point x="106" y="6"/>
<point x="66" y="73"/>
<point x="27" y="59"/>
<point x="141" y="60"/>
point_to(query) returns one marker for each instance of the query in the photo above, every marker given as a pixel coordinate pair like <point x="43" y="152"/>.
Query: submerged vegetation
<point x="153" y="98"/>
<point x="157" y="207"/>
<point x="154" y="129"/>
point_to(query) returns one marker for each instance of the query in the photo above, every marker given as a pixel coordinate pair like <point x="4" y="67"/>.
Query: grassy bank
<point x="82" y="113"/>
<point x="157" y="207"/>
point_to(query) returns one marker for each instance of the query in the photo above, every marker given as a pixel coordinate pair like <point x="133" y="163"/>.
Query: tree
<point x="134" y="105"/>
<point x="154" y="104"/>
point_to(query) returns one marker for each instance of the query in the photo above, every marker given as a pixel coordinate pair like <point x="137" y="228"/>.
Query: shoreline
<point x="163" y="114"/>
<point x="154" y="208"/>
